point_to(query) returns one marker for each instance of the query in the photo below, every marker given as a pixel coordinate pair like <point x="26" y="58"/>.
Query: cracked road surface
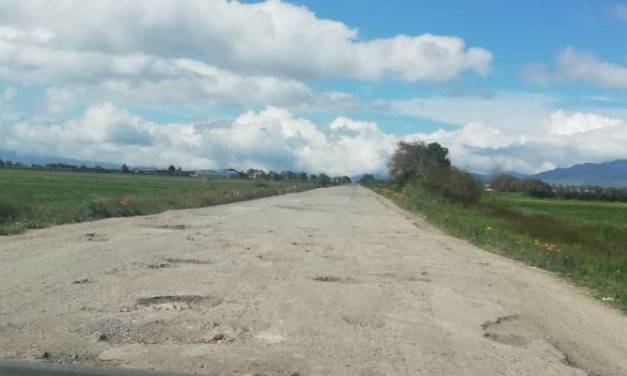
<point x="334" y="281"/>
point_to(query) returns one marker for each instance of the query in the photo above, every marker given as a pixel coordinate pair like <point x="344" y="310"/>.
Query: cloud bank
<point x="277" y="139"/>
<point x="268" y="38"/>
<point x="269" y="139"/>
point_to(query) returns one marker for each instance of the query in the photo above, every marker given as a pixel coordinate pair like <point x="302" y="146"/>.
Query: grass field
<point x="584" y="241"/>
<point x="34" y="199"/>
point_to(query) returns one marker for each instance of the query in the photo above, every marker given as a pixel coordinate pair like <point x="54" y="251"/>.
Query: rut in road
<point x="334" y="281"/>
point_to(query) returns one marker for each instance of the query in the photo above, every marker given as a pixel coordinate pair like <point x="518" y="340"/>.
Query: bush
<point x="110" y="207"/>
<point x="455" y="184"/>
<point x="9" y="212"/>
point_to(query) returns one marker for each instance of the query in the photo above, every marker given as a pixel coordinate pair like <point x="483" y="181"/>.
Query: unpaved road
<point x="333" y="281"/>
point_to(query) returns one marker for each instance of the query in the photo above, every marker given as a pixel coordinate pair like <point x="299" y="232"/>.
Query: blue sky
<point x="324" y="85"/>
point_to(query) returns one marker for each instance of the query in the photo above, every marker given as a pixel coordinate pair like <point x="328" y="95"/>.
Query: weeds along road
<point x="333" y="281"/>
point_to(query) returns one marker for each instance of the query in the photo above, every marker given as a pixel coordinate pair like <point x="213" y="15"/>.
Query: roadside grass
<point x="36" y="199"/>
<point x="583" y="241"/>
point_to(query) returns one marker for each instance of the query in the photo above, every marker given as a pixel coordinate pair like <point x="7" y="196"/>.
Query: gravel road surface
<point x="334" y="281"/>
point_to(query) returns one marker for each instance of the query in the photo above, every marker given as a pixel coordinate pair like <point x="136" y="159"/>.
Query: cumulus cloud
<point x="495" y="110"/>
<point x="270" y="139"/>
<point x="573" y="65"/>
<point x="146" y="79"/>
<point x="275" y="138"/>
<point x="268" y="38"/>
<point x="562" y="139"/>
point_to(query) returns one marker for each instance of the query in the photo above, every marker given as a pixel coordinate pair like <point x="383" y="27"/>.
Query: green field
<point x="34" y="199"/>
<point x="584" y="241"/>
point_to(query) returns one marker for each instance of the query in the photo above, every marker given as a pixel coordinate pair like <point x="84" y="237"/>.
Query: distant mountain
<point x="8" y="155"/>
<point x="606" y="174"/>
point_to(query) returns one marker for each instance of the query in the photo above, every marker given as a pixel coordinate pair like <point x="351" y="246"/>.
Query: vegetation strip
<point x="31" y="198"/>
<point x="585" y="241"/>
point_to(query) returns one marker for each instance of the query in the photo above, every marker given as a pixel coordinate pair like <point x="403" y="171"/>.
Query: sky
<point x="314" y="85"/>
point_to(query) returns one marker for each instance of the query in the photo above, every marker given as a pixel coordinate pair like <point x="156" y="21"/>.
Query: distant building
<point x="145" y="170"/>
<point x="226" y="174"/>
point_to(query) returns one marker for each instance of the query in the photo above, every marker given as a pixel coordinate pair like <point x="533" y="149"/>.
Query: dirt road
<point x="334" y="281"/>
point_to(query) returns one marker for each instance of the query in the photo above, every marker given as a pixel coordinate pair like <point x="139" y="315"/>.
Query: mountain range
<point x="606" y="174"/>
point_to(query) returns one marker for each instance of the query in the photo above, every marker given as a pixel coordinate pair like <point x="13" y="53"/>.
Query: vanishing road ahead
<point x="333" y="281"/>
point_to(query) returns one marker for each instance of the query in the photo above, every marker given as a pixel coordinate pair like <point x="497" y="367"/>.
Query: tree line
<point x="538" y="188"/>
<point x="322" y="178"/>
<point x="257" y="174"/>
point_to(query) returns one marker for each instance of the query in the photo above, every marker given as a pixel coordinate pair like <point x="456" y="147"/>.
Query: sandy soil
<point x="333" y="281"/>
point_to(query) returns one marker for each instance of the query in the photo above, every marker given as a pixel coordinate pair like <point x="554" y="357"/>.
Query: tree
<point x="415" y="159"/>
<point x="171" y="169"/>
<point x="505" y="183"/>
<point x="367" y="179"/>
<point x="125" y="168"/>
<point x="1" y="163"/>
<point x="537" y="188"/>
<point x="324" y="180"/>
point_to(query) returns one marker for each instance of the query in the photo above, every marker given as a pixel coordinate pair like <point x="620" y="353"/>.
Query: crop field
<point x="585" y="241"/>
<point x="614" y="213"/>
<point x="35" y="199"/>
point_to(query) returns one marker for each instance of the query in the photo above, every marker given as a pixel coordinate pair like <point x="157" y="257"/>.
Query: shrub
<point x="9" y="212"/>
<point x="113" y="207"/>
<point x="455" y="184"/>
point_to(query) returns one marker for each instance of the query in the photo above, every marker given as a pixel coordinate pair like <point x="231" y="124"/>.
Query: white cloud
<point x="271" y="139"/>
<point x="277" y="139"/>
<point x="562" y="139"/>
<point x="573" y="65"/>
<point x="268" y="38"/>
<point x="563" y="124"/>
<point x="504" y="110"/>
<point x="144" y="79"/>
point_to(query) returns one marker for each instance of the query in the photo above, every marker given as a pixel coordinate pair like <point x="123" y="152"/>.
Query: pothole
<point x="94" y="237"/>
<point x="178" y="302"/>
<point x="188" y="261"/>
<point x="505" y="330"/>
<point x="160" y="331"/>
<point x="363" y="321"/>
<point x="172" y="227"/>
<point x="332" y="279"/>
<point x="161" y="265"/>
